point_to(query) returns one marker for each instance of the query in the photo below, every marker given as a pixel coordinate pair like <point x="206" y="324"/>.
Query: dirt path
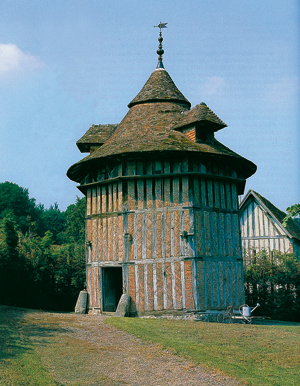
<point x="82" y="350"/>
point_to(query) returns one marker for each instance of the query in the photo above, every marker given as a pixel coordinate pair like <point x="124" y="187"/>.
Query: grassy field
<point x="19" y="362"/>
<point x="256" y="355"/>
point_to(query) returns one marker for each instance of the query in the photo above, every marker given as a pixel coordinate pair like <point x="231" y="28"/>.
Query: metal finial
<point x="160" y="50"/>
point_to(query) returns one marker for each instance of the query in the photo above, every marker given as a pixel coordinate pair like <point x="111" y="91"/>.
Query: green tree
<point x="75" y="223"/>
<point x="42" y="252"/>
<point x="55" y="222"/>
<point x="10" y="262"/>
<point x="273" y="280"/>
<point x="292" y="212"/>
<point x="16" y="204"/>
<point x="70" y="274"/>
<point x="54" y="273"/>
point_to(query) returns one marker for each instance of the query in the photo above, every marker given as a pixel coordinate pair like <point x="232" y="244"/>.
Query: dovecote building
<point x="162" y="215"/>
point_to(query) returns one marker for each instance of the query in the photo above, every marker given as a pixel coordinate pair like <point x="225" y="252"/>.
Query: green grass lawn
<point x="19" y="362"/>
<point x="256" y="355"/>
<point x="253" y="354"/>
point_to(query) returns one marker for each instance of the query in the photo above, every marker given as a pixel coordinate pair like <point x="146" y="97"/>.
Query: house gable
<point x="262" y="229"/>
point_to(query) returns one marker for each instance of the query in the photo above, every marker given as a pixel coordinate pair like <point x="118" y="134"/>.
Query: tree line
<point x="42" y="256"/>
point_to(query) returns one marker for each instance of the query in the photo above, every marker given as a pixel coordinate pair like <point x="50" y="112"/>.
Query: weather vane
<point x="160" y="50"/>
<point x="161" y="25"/>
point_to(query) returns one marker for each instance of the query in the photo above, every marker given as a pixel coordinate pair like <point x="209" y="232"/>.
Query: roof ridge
<point x="291" y="226"/>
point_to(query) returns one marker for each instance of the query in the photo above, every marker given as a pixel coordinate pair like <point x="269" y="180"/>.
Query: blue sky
<point x="65" y="65"/>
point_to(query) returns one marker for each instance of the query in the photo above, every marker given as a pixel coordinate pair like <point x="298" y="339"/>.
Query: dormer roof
<point x="200" y="113"/>
<point x="147" y="129"/>
<point x="96" y="135"/>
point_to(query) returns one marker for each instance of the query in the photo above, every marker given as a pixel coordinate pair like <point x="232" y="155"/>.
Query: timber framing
<point x="262" y="228"/>
<point x="162" y="210"/>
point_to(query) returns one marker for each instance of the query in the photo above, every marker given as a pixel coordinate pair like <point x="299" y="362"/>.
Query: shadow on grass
<point x="15" y="332"/>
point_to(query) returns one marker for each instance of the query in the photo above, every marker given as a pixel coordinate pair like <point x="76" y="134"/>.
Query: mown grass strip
<point x="19" y="362"/>
<point x="255" y="355"/>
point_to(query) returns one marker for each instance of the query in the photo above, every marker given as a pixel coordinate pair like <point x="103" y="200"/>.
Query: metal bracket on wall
<point x="128" y="236"/>
<point x="185" y="234"/>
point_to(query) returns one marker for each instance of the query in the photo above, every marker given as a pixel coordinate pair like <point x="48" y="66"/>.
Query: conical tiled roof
<point x="159" y="88"/>
<point x="152" y="125"/>
<point x="148" y="128"/>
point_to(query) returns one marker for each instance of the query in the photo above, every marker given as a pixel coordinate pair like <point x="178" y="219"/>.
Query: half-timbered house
<point x="162" y="215"/>
<point x="262" y="228"/>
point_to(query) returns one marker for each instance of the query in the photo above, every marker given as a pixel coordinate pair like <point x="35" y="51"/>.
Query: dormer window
<point x="204" y="134"/>
<point x="205" y="137"/>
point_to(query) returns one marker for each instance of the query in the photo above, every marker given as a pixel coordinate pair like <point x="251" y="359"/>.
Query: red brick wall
<point x="188" y="285"/>
<point x="191" y="135"/>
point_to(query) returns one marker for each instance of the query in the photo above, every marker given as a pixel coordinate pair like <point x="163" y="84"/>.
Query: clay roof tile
<point x="96" y="135"/>
<point x="159" y="87"/>
<point x="200" y="112"/>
